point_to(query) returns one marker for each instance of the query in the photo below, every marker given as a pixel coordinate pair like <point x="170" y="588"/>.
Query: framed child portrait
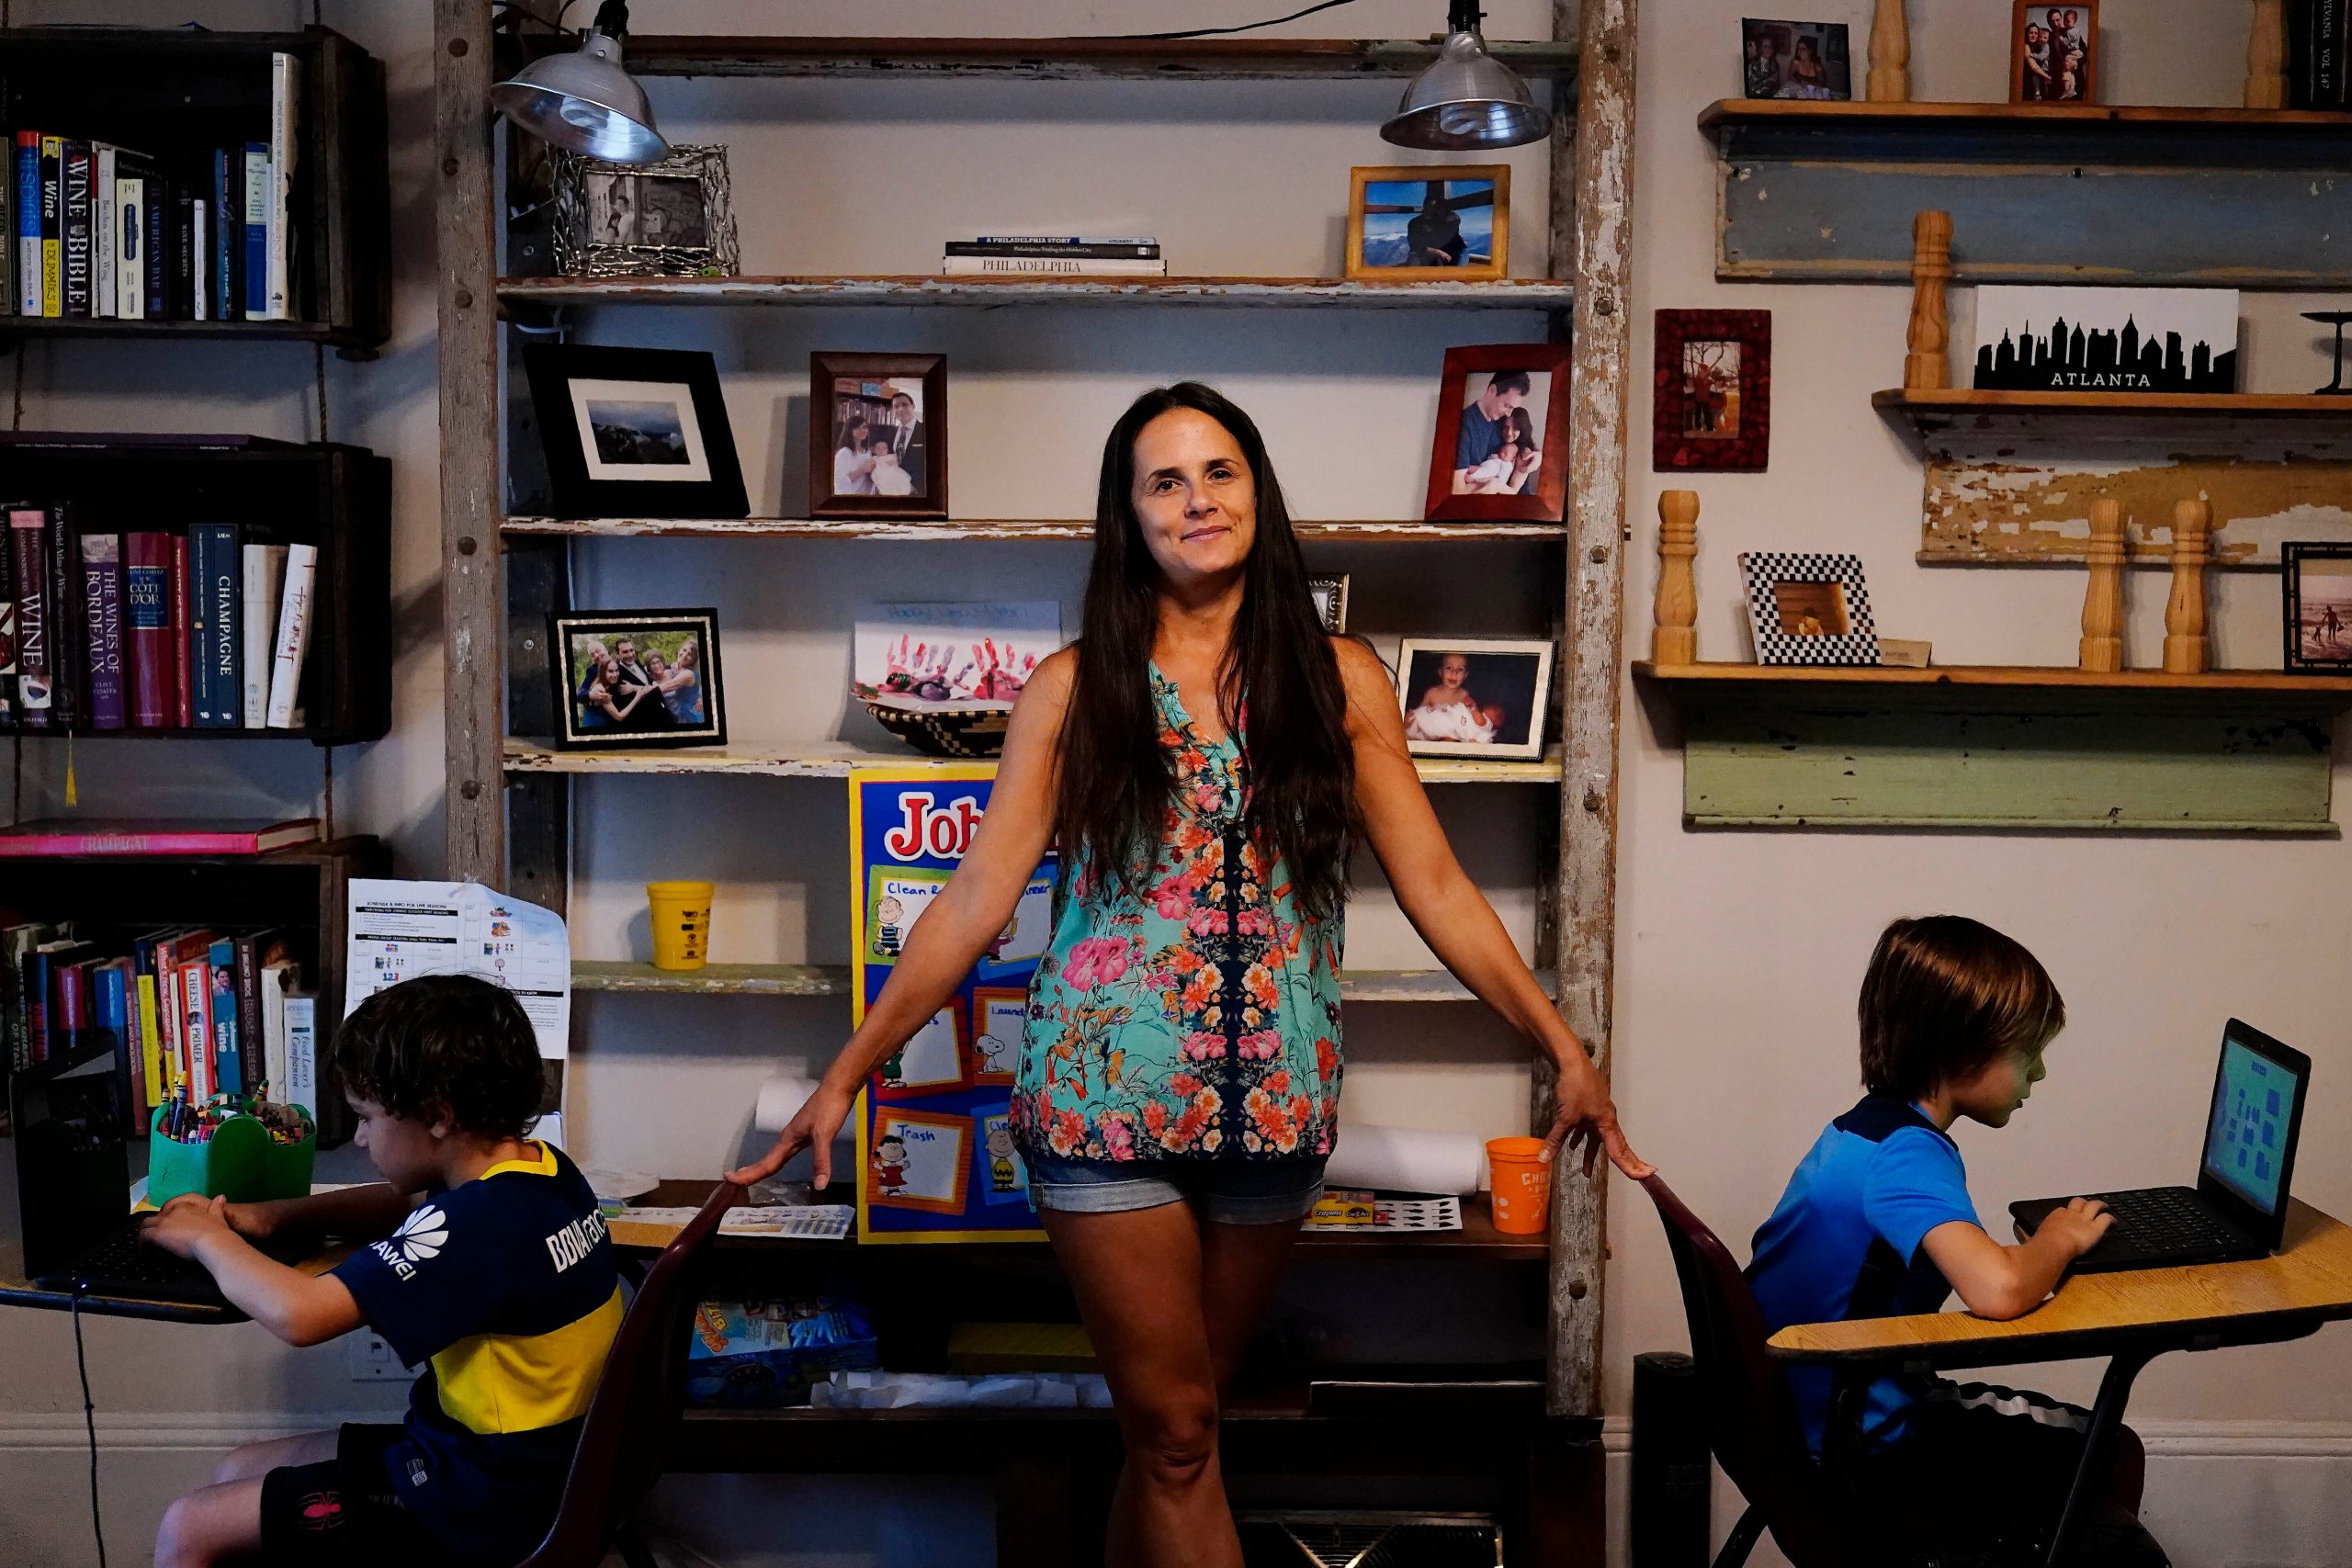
<point x="1501" y="446"/>
<point x="637" y="678"/>
<point x="2317" y="581"/>
<point x="878" y="435"/>
<point x="1421" y="221"/>
<point x="1712" y="386"/>
<point x="2053" y="52"/>
<point x="634" y="431"/>
<point x="1809" y="609"/>
<point x="1475" y="698"/>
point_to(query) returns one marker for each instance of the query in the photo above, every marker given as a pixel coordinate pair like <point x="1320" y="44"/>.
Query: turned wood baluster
<point x="2266" y="57"/>
<point x="1890" y="81"/>
<point x="1674" y="630"/>
<point x="2187" y="651"/>
<point x="1927" y="365"/>
<point x="2102" y="646"/>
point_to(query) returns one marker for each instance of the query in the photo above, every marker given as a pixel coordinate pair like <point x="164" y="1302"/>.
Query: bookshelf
<point x="988" y="293"/>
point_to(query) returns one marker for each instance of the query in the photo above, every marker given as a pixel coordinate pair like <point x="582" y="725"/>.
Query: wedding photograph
<point x="877" y="437"/>
<point x="1482" y="697"/>
<point x="639" y="677"/>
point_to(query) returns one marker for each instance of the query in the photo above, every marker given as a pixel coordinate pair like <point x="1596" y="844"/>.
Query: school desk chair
<point x="635" y="1403"/>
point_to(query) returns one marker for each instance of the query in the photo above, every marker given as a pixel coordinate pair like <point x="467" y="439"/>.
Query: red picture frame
<point x="1711" y="403"/>
<point x="1543" y="495"/>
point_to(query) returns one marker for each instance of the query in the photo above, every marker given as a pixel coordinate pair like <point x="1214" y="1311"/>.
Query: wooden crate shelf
<point x="833" y="980"/>
<point x="1080" y="530"/>
<point x="1065" y="58"/>
<point x="1289" y="293"/>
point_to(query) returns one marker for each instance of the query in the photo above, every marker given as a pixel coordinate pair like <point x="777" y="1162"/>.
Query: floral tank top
<point x="1197" y="1019"/>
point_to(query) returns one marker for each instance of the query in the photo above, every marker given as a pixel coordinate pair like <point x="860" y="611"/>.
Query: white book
<point x="265" y="569"/>
<point x="301" y="1052"/>
<point x="102" y="233"/>
<point x="201" y="259"/>
<point x="275" y="977"/>
<point x="284" y="150"/>
<point x="1056" y="266"/>
<point x="130" y="250"/>
<point x="293" y="639"/>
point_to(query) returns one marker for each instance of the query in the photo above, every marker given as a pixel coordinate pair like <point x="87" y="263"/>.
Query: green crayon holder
<point x="240" y="1162"/>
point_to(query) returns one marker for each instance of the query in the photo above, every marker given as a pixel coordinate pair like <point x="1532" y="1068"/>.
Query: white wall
<point x="1735" y="1033"/>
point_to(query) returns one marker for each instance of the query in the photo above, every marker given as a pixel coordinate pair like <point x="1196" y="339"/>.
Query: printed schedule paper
<point x="402" y="930"/>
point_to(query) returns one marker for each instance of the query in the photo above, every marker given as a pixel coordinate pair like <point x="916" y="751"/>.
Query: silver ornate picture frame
<point x="670" y="218"/>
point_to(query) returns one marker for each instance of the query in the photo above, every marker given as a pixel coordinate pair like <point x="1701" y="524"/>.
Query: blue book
<point x="228" y="1068"/>
<point x="228" y="247"/>
<point x="256" y="217"/>
<point x="110" y="1008"/>
<point x="216" y="578"/>
<point x="28" y="235"/>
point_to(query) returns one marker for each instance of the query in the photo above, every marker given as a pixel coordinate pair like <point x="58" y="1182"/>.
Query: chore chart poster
<point x="935" y="1159"/>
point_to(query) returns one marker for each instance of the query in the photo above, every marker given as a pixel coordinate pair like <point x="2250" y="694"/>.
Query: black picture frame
<point x="569" y="633"/>
<point x="2294" y="557"/>
<point x="589" y="470"/>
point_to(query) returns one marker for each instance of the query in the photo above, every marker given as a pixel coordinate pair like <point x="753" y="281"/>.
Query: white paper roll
<point x="780" y="1100"/>
<point x="1407" y="1159"/>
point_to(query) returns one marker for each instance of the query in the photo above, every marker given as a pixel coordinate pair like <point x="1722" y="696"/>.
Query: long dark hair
<point x="1116" y="783"/>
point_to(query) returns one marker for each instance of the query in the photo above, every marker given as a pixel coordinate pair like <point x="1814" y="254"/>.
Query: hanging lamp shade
<point x="1465" y="100"/>
<point x="584" y="101"/>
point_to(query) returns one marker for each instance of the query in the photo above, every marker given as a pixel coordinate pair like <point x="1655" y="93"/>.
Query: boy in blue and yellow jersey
<point x="492" y="1265"/>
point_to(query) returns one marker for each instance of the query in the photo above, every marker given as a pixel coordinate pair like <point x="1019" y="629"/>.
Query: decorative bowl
<point x="963" y="729"/>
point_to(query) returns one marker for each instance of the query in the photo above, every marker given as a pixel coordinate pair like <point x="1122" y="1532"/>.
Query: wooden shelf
<point x="833" y="980"/>
<point x="1080" y="530"/>
<point x="1940" y="409"/>
<point x="16" y="327"/>
<point x="2052" y="118"/>
<point x="1064" y="59"/>
<point x="835" y="759"/>
<point x="2226" y="686"/>
<point x="1511" y="294"/>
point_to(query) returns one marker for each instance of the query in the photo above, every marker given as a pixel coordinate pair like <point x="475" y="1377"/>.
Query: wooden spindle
<point x="1890" y="80"/>
<point x="2266" y="57"/>
<point x="1928" y="365"/>
<point x="2102" y="646"/>
<point x="2187" y="651"/>
<point x="1674" y="629"/>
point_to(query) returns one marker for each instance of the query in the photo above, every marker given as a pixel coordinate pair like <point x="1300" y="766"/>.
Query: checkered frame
<point x="1765" y="568"/>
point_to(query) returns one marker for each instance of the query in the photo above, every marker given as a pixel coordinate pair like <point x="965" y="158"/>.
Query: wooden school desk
<point x="2130" y="1318"/>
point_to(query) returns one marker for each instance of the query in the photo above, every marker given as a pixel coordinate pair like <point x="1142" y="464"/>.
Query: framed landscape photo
<point x="634" y="431"/>
<point x="1809" y="609"/>
<point x="1712" y="379"/>
<point x="1428" y="220"/>
<point x="1475" y="696"/>
<point x="626" y="679"/>
<point x="2317" y="582"/>
<point x="1501" y="446"/>
<point x="1795" y="59"/>
<point x="878" y="435"/>
<point x="670" y="219"/>
<point x="2053" y="52"/>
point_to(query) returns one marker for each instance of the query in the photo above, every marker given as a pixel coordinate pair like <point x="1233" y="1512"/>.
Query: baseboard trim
<point x="150" y="1429"/>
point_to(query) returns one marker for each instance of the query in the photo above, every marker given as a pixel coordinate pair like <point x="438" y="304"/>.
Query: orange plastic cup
<point x="1523" y="1183"/>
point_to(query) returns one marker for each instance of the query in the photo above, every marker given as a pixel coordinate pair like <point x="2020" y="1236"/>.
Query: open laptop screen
<point x="2247" y="1137"/>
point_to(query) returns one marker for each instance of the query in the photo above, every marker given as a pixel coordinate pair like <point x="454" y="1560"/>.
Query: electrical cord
<point x="89" y="1421"/>
<point x="1242" y="28"/>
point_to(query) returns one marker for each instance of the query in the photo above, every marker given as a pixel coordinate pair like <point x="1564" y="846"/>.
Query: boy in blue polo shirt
<point x="1877" y="1223"/>
<point x="492" y="1265"/>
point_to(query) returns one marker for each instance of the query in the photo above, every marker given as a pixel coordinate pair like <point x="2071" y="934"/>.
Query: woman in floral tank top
<point x="1207" y="756"/>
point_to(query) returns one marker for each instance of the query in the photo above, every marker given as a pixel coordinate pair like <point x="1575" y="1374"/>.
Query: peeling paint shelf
<point x="1928" y="411"/>
<point x="2037" y="119"/>
<point x="951" y="529"/>
<point x="2225" y="686"/>
<point x="835" y="759"/>
<point x="833" y="980"/>
<point x="1064" y="59"/>
<point x="1509" y="294"/>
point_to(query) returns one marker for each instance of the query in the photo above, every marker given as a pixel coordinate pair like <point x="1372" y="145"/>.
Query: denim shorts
<point x="1223" y="1192"/>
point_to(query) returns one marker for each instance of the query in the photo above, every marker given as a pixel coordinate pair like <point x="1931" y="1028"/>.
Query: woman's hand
<point x="814" y="1125"/>
<point x="1585" y="1117"/>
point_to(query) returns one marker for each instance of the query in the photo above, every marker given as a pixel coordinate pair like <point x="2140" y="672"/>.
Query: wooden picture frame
<point x="2046" y="83"/>
<point x="847" y="391"/>
<point x="1470" y="376"/>
<point x="694" y="715"/>
<point x="1511" y="711"/>
<point x="1712" y="377"/>
<point x="1373" y="215"/>
<point x="634" y="431"/>
<point x="2322" y="596"/>
<point x="1809" y="609"/>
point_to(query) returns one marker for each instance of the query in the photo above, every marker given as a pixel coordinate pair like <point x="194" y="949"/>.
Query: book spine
<point x="174" y="842"/>
<point x="301" y="1052"/>
<point x="147" y="588"/>
<point x="965" y="267"/>
<point x="228" y="1053"/>
<point x="52" y="232"/>
<point x="264" y="570"/>
<point x="227" y="246"/>
<point x="2326" y="56"/>
<point x="102" y="227"/>
<point x="150" y="1034"/>
<point x="256" y="230"/>
<point x="80" y="175"/>
<point x="130" y="249"/>
<point x="252" y="1054"/>
<point x="110" y="1011"/>
<point x="166" y="237"/>
<point x="7" y="629"/>
<point x="26" y="233"/>
<point x="70" y="1007"/>
<point x="102" y="626"/>
<point x="1058" y="240"/>
<point x="199" y="261"/>
<point x="169" y="1017"/>
<point x="36" y="693"/>
<point x="274" y="977"/>
<point x="1106" y="250"/>
<point x="293" y="640"/>
<point x="285" y="154"/>
<point x="196" y="1029"/>
<point x="65" y="645"/>
<point x="225" y="650"/>
<point x="183" y="635"/>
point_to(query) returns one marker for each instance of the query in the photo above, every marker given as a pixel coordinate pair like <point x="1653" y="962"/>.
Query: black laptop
<point x="2238" y="1208"/>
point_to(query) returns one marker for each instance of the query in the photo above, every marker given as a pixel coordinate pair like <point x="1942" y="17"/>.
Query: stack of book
<point x="1116" y="257"/>
<point x="103" y="231"/>
<point x="206" y="627"/>
<point x="2319" y="34"/>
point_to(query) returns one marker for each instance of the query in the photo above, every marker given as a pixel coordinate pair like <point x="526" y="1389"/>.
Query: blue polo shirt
<point x="1480" y="437"/>
<point x="1846" y="1243"/>
<point x="506" y="1285"/>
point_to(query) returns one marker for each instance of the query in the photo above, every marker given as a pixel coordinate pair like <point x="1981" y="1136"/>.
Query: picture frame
<point x="1396" y="212"/>
<point x="634" y="431"/>
<point x="1809" y="609"/>
<point x="639" y="707"/>
<point x="1712" y="407"/>
<point x="1507" y="693"/>
<point x="903" y="396"/>
<point x="673" y="218"/>
<point x="2054" y="60"/>
<point x="1330" y="602"/>
<point x="1520" y="392"/>
<point x="1795" y="59"/>
<point x="2315" y="582"/>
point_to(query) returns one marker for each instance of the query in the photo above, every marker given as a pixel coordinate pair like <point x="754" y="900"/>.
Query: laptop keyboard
<point x="122" y="1262"/>
<point x="2163" y="1219"/>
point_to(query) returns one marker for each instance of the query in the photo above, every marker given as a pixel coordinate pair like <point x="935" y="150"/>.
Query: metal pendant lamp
<point x="1466" y="99"/>
<point x="584" y="101"/>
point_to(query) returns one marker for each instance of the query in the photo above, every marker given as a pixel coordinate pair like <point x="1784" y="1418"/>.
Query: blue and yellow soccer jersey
<point x="506" y="1285"/>
<point x="1846" y="1243"/>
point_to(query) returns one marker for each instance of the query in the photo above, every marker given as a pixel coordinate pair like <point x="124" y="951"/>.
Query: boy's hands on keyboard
<point x="2078" y="1226"/>
<point x="251" y="1221"/>
<point x="184" y="1223"/>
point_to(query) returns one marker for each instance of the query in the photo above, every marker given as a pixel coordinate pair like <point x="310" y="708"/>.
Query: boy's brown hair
<point x="444" y="1044"/>
<point x="1945" y="997"/>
